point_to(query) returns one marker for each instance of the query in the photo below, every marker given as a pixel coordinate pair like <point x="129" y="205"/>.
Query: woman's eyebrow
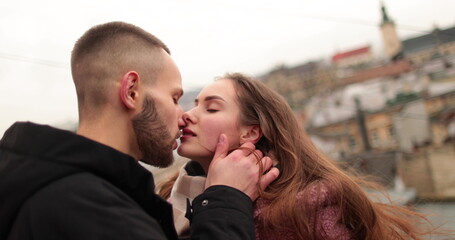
<point x="208" y="98"/>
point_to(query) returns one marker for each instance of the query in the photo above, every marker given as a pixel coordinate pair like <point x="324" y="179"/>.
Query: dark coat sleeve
<point x="83" y="207"/>
<point x="222" y="212"/>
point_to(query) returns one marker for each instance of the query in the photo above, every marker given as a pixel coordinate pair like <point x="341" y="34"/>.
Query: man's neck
<point x="109" y="133"/>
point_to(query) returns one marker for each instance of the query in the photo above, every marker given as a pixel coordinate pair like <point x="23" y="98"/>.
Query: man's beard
<point x="152" y="136"/>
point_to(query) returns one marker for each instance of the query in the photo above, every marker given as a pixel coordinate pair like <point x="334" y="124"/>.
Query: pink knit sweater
<point x="326" y="222"/>
<point x="187" y="187"/>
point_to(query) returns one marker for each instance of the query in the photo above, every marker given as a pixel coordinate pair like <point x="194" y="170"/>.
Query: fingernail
<point x="221" y="139"/>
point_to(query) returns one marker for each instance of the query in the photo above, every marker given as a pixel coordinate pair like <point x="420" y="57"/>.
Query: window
<point x="375" y="137"/>
<point x="391" y="132"/>
<point x="352" y="142"/>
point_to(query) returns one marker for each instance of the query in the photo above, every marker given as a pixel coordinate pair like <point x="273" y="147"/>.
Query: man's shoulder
<point x="84" y="196"/>
<point x="77" y="186"/>
<point x="83" y="205"/>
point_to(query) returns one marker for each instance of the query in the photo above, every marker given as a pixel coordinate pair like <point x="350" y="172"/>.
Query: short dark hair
<point x="105" y="52"/>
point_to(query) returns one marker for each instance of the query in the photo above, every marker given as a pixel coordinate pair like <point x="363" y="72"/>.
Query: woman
<point x="313" y="198"/>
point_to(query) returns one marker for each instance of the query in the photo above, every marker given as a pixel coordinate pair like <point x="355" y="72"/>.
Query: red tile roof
<point x="389" y="70"/>
<point x="339" y="56"/>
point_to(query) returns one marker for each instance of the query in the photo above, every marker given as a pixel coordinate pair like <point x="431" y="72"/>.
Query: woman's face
<point x="216" y="111"/>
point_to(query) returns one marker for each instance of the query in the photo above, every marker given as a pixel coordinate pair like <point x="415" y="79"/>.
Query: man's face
<point x="157" y="126"/>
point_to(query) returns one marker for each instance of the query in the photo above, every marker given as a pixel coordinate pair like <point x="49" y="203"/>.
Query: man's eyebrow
<point x="208" y="98"/>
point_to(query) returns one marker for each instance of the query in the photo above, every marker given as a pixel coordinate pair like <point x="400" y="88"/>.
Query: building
<point x="353" y="58"/>
<point x="297" y="84"/>
<point x="391" y="41"/>
<point x="406" y="137"/>
<point x="391" y="69"/>
<point x="439" y="43"/>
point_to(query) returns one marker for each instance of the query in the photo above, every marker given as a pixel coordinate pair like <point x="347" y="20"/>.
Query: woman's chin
<point x="193" y="150"/>
<point x="194" y="154"/>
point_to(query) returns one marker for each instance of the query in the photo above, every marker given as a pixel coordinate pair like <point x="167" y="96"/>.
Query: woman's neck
<point x="204" y="162"/>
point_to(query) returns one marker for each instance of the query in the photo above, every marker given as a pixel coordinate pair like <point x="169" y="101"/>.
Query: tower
<point x="392" y="44"/>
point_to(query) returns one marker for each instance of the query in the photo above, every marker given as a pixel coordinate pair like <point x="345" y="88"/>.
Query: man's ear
<point x="129" y="90"/>
<point x="251" y="134"/>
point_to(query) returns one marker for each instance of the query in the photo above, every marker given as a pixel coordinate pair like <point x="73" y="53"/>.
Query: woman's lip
<point x="185" y="137"/>
<point x="187" y="132"/>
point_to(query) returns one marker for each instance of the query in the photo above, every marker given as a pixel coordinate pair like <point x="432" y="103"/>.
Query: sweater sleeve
<point x="327" y="214"/>
<point x="222" y="212"/>
<point x="328" y="224"/>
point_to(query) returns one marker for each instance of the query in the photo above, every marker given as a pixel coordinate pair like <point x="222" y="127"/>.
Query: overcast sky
<point x="207" y="38"/>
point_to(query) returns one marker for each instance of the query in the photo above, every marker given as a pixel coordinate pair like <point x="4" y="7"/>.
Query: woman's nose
<point x="188" y="117"/>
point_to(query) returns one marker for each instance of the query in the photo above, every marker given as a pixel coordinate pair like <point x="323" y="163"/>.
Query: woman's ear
<point x="250" y="134"/>
<point x="129" y="90"/>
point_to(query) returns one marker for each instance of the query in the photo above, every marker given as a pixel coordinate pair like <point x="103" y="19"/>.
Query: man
<point x="56" y="184"/>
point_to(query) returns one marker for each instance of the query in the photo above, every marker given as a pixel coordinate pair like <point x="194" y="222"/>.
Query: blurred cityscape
<point x="389" y="115"/>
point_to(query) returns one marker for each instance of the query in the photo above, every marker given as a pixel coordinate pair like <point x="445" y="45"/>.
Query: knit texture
<point x="326" y="223"/>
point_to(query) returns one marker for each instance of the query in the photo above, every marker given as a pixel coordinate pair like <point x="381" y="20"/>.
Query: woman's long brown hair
<point x="304" y="167"/>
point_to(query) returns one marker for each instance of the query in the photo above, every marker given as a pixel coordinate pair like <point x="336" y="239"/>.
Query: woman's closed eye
<point x="211" y="110"/>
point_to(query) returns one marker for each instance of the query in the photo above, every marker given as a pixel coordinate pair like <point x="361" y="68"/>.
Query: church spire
<point x="385" y="17"/>
<point x="392" y="44"/>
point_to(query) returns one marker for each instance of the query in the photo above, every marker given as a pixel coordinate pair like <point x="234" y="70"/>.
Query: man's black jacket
<point x="55" y="184"/>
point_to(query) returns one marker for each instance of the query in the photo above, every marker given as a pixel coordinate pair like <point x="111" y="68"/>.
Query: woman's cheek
<point x="212" y="132"/>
